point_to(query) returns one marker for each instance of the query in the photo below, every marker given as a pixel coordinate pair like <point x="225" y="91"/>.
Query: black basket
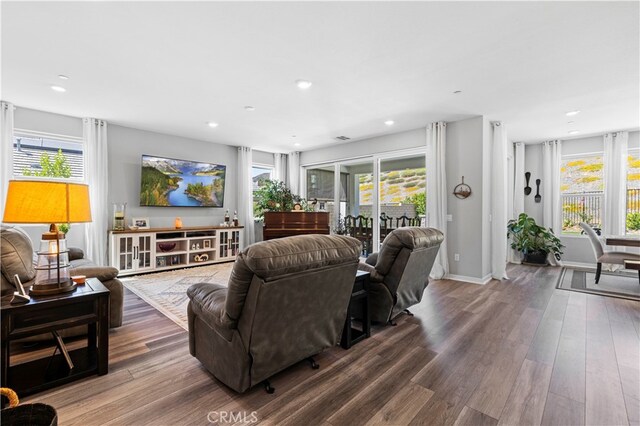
<point x="29" y="415"/>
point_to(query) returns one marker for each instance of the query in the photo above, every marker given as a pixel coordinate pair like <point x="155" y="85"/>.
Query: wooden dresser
<point x="286" y="224"/>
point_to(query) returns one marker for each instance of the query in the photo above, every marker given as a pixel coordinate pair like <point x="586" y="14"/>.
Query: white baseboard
<point x="472" y="280"/>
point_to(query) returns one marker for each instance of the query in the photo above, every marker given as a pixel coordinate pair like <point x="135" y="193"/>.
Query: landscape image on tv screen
<point x="179" y="183"/>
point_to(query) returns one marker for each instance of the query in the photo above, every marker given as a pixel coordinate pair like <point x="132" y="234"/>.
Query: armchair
<point x="400" y="271"/>
<point x="287" y="300"/>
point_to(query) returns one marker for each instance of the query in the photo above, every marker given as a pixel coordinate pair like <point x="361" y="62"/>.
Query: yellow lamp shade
<point x="35" y="201"/>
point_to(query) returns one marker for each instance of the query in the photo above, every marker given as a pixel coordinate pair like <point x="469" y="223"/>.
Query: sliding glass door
<point x="374" y="195"/>
<point x="321" y="184"/>
<point x="356" y="212"/>
<point x="402" y="192"/>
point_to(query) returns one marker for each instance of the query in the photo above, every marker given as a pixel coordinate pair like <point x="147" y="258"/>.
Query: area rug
<point x="167" y="291"/>
<point x="611" y="283"/>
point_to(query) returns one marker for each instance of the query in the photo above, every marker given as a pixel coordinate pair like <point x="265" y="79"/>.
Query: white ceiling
<point x="170" y="67"/>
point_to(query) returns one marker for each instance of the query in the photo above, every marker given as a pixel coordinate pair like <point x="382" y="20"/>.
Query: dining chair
<point x="604" y="256"/>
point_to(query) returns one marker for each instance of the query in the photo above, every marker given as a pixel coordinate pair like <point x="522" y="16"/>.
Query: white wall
<point x="126" y="147"/>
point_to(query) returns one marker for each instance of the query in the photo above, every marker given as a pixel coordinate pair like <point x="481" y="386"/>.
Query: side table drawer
<point x="32" y="319"/>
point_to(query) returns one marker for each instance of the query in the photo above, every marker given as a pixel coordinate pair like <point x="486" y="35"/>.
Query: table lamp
<point x="37" y="201"/>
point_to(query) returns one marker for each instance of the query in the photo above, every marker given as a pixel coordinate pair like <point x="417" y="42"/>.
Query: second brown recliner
<point x="286" y="301"/>
<point x="400" y="270"/>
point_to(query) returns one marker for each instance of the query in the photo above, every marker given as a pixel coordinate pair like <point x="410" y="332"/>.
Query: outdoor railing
<point x="633" y="200"/>
<point x="583" y="207"/>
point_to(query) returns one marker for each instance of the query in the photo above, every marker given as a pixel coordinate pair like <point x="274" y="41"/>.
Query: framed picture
<point x="140" y="222"/>
<point x="206" y="244"/>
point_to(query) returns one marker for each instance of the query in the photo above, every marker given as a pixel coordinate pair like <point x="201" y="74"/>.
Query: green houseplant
<point x="535" y="242"/>
<point x="274" y="196"/>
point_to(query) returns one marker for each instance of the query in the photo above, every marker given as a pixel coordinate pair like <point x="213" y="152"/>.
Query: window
<point x="47" y="156"/>
<point x="259" y="174"/>
<point x="581" y="186"/>
<point x="633" y="192"/>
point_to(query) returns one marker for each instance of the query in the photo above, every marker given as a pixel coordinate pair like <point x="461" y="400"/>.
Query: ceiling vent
<point x="342" y="138"/>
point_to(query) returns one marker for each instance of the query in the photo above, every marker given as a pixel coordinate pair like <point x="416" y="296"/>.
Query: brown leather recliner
<point x="400" y="270"/>
<point x="287" y="300"/>
<point x="17" y="258"/>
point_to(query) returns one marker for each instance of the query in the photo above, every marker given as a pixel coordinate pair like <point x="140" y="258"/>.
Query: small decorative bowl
<point x="166" y="246"/>
<point x="133" y="228"/>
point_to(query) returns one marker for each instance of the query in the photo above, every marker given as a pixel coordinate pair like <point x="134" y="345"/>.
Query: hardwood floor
<point x="515" y="352"/>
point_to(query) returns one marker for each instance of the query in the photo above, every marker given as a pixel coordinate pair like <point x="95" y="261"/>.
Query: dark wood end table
<point x="86" y="305"/>
<point x="359" y="295"/>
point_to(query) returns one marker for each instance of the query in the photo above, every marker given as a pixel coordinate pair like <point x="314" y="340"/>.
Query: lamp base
<point x="49" y="289"/>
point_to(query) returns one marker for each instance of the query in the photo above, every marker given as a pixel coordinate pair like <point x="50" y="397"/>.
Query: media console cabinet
<point x="159" y="249"/>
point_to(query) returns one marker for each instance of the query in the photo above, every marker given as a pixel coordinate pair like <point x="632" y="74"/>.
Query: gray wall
<point x="126" y="147"/>
<point x="577" y="248"/>
<point x="261" y="157"/>
<point x="465" y="150"/>
<point x="343" y="150"/>
<point x="40" y="121"/>
<point x="465" y="146"/>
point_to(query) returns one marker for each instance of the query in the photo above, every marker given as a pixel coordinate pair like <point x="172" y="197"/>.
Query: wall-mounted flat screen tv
<point x="167" y="182"/>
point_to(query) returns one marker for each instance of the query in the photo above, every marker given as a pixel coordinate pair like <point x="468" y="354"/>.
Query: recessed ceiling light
<point x="212" y="124"/>
<point x="574" y="132"/>
<point x="249" y="108"/>
<point x="457" y="91"/>
<point x="63" y="77"/>
<point x="303" y="84"/>
<point x="570" y="122"/>
<point x="296" y="144"/>
<point x="58" y="88"/>
<point x="572" y="113"/>
<point x="389" y="122"/>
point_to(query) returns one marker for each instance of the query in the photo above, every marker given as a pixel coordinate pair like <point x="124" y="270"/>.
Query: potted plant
<point x="535" y="242"/>
<point x="274" y="196"/>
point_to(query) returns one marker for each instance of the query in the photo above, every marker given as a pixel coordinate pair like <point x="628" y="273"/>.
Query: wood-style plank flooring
<point x="516" y="352"/>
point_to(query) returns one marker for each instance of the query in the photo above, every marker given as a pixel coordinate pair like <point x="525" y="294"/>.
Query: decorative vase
<point x="119" y="214"/>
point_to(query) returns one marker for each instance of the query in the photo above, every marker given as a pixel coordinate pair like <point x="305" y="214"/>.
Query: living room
<point x="430" y="125"/>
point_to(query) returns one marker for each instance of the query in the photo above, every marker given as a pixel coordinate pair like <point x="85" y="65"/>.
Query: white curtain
<point x="615" y="182"/>
<point x="518" y="181"/>
<point x="96" y="173"/>
<point x="280" y="167"/>
<point x="245" y="194"/>
<point x="293" y="178"/>
<point x="437" y="192"/>
<point x="6" y="156"/>
<point x="499" y="215"/>
<point x="551" y="202"/>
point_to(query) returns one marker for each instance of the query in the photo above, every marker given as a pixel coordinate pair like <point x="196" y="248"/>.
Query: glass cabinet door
<point x="125" y="253"/>
<point x="234" y="243"/>
<point x="144" y="252"/>
<point x="224" y="244"/>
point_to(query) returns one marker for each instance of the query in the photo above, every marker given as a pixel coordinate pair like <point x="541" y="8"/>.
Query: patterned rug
<point x="613" y="284"/>
<point x="167" y="291"/>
